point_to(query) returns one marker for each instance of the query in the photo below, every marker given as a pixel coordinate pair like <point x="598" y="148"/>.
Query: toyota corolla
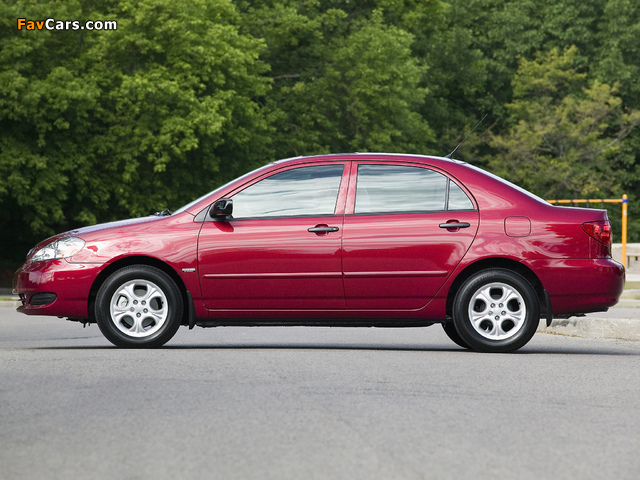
<point x="367" y="240"/>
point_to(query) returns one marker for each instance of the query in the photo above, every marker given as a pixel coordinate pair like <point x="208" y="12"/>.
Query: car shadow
<point x="397" y="348"/>
<point x="527" y="350"/>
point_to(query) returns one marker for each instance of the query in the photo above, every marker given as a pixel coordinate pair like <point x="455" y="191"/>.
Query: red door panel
<point x="281" y="250"/>
<point x="396" y="255"/>
<point x="272" y="264"/>
<point x="401" y="261"/>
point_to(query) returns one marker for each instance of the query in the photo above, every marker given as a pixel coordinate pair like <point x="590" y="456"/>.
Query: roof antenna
<point x="465" y="138"/>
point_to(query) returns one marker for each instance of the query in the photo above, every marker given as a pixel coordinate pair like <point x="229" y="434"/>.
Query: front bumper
<point x="55" y="287"/>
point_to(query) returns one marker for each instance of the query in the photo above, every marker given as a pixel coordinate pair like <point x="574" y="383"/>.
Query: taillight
<point x="601" y="231"/>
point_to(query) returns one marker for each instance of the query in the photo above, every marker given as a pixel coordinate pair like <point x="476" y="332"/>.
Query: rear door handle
<point x="322" y="229"/>
<point x="455" y="225"/>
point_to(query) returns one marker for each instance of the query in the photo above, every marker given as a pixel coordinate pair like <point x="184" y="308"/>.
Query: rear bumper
<point x="580" y="286"/>
<point x="55" y="287"/>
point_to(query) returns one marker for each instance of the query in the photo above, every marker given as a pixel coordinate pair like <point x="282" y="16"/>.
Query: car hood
<point x="85" y="231"/>
<point x="117" y="224"/>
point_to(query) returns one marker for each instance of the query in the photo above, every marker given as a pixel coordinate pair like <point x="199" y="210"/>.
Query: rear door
<point x="406" y="228"/>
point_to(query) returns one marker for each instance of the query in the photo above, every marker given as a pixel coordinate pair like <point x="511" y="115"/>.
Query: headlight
<point x="62" y="248"/>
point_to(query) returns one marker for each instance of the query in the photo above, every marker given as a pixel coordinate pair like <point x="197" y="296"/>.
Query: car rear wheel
<point x="496" y="310"/>
<point x="450" y="329"/>
<point x="139" y="306"/>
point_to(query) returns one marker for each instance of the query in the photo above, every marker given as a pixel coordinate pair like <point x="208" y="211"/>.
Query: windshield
<point x="212" y="193"/>
<point x="191" y="204"/>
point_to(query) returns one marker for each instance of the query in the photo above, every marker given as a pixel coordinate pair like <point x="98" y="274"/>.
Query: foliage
<point x="340" y="83"/>
<point x="102" y="125"/>
<point x="184" y="95"/>
<point x="564" y="135"/>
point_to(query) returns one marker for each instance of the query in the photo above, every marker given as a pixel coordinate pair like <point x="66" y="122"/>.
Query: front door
<point x="281" y="249"/>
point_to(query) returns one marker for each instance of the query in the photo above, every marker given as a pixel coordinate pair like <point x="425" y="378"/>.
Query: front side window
<point x="304" y="191"/>
<point x="400" y="188"/>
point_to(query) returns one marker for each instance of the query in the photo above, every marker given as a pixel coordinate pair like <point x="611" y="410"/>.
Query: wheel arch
<point x="496" y="262"/>
<point x="137" y="260"/>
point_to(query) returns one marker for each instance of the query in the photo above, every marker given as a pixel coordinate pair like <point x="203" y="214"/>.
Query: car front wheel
<point x="496" y="311"/>
<point x="139" y="306"/>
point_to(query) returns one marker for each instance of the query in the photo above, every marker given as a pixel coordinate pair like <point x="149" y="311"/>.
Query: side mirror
<point x="221" y="208"/>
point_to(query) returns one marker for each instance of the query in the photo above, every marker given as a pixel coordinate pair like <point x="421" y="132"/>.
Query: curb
<point x="594" y="327"/>
<point x="9" y="304"/>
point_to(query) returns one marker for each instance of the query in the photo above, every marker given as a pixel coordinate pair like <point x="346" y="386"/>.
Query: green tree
<point x="474" y="49"/>
<point x="344" y="79"/>
<point x="101" y="125"/>
<point x="618" y="54"/>
<point x="184" y="95"/>
<point x="564" y="135"/>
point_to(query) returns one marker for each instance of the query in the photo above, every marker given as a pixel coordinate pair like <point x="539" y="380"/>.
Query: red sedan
<point x="371" y="240"/>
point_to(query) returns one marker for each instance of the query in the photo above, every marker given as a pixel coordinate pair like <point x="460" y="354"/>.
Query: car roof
<point x="369" y="156"/>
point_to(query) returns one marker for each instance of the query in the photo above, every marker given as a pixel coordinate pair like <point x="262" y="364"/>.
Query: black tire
<point x="496" y="311"/>
<point x="450" y="329"/>
<point x="139" y="306"/>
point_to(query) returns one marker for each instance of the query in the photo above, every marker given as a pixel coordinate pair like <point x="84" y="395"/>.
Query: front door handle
<point x="455" y="225"/>
<point x="322" y="229"/>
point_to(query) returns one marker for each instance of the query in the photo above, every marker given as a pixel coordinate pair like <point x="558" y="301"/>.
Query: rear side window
<point x="400" y="188"/>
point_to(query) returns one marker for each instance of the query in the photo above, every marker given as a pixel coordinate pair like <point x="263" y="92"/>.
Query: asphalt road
<point x="313" y="403"/>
